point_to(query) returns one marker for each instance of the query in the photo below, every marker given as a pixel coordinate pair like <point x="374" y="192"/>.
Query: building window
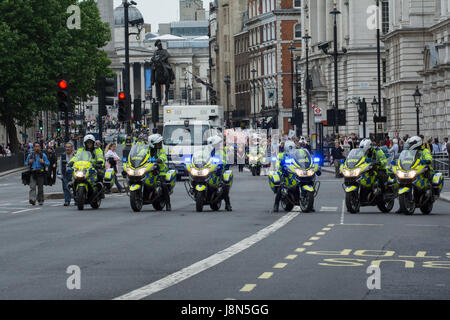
<point x="298" y="31"/>
<point x="384" y="71"/>
<point x="198" y="94"/>
<point x="171" y="94"/>
<point x="297" y="3"/>
<point x="385" y="16"/>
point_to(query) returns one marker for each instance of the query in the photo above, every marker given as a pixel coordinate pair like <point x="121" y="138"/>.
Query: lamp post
<point x="307" y="37"/>
<point x="185" y="88"/>
<point x="417" y="102"/>
<point x="126" y="85"/>
<point x="254" y="95"/>
<point x="291" y="49"/>
<point x="335" y="12"/>
<point x="189" y="96"/>
<point x="378" y="63"/>
<point x="374" y="109"/>
<point x="227" y="81"/>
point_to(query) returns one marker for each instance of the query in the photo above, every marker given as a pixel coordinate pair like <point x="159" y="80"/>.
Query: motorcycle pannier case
<point x="274" y="180"/>
<point x="438" y="183"/>
<point x="228" y="177"/>
<point x="170" y="178"/>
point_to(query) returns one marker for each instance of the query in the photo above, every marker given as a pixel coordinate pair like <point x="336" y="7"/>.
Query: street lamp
<point x="254" y="95"/>
<point x="335" y="12"/>
<point x="374" y="109"/>
<point x="306" y="38"/>
<point x="126" y="85"/>
<point x="298" y="97"/>
<point x="291" y="49"/>
<point x="227" y="81"/>
<point x="378" y="63"/>
<point x="417" y="102"/>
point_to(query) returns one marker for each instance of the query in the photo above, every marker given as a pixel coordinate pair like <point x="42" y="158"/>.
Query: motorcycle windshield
<point x="138" y="154"/>
<point x="407" y="159"/>
<point x="201" y="158"/>
<point x="83" y="156"/>
<point x="354" y="157"/>
<point x="303" y="158"/>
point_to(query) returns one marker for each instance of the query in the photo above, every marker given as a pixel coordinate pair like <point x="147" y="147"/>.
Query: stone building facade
<point x="192" y="10"/>
<point x="418" y="54"/>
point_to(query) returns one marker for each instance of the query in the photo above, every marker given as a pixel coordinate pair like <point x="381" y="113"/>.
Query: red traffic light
<point x="121" y="95"/>
<point x="62" y="84"/>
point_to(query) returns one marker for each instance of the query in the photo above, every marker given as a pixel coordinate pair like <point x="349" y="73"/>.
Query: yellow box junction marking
<point x="248" y="287"/>
<point x="314" y="238"/>
<point x="320" y="233"/>
<point x="300" y="250"/>
<point x="280" y="265"/>
<point x="331" y="225"/>
<point x="266" y="275"/>
<point x="307" y="244"/>
<point x="326" y="229"/>
<point x="291" y="257"/>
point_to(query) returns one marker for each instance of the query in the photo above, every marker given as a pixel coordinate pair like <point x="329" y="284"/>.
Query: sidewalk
<point x="5" y="173"/>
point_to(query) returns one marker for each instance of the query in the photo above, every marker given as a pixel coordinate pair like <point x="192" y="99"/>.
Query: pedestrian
<point x="436" y="146"/>
<point x="337" y="154"/>
<point x="51" y="156"/>
<point x="112" y="162"/>
<point x="394" y="149"/>
<point x="63" y="167"/>
<point x="8" y="151"/>
<point x="444" y="146"/>
<point x="37" y="161"/>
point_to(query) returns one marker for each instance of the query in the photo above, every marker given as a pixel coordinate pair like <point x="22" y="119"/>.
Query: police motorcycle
<point x="86" y="188"/>
<point x="415" y="188"/>
<point x="110" y="176"/>
<point x="205" y="185"/>
<point x="298" y="180"/>
<point x="361" y="183"/>
<point x="255" y="162"/>
<point x="144" y="180"/>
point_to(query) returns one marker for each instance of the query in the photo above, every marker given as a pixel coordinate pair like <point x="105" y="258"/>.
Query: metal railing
<point x="440" y="163"/>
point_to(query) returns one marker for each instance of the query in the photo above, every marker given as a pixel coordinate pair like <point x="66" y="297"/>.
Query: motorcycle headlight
<point x="251" y="158"/>
<point x="80" y="173"/>
<point x="303" y="173"/>
<point x="130" y="172"/>
<point x="200" y="172"/>
<point x="351" y="173"/>
<point x="407" y="175"/>
<point x="140" y="172"/>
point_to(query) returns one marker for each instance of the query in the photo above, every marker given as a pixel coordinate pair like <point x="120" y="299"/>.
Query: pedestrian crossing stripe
<point x="328" y="209"/>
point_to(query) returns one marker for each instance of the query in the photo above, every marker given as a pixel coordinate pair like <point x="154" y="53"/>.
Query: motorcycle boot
<point x="276" y="206"/>
<point x="166" y="195"/>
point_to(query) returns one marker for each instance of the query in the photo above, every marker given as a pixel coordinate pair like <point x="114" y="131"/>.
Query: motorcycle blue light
<point x="289" y="161"/>
<point x="215" y="160"/>
<point x="274" y="158"/>
<point x="187" y="160"/>
<point x="316" y="160"/>
<point x="124" y="160"/>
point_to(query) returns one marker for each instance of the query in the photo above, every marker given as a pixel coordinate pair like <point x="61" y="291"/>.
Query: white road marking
<point x="342" y="213"/>
<point x="328" y="209"/>
<point x="57" y="205"/>
<point x="25" y="210"/>
<point x="209" y="262"/>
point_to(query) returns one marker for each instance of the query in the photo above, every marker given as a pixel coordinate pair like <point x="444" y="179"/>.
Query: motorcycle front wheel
<point x="427" y="207"/>
<point x="286" y="205"/>
<point x="199" y="200"/>
<point x="216" y="206"/>
<point x="352" y="202"/>
<point x="407" y="203"/>
<point x="385" y="206"/>
<point x="96" y="204"/>
<point x="81" y="198"/>
<point x="307" y="201"/>
<point x="136" y="200"/>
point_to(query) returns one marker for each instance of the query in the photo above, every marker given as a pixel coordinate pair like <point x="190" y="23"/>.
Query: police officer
<point x="156" y="151"/>
<point x="376" y="155"/>
<point x="215" y="143"/>
<point x="97" y="156"/>
<point x="289" y="151"/>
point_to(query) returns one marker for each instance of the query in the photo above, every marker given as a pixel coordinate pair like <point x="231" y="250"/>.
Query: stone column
<point x="142" y="81"/>
<point x="321" y="26"/>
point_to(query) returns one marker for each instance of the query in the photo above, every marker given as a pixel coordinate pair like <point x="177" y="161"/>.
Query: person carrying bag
<point x="37" y="161"/>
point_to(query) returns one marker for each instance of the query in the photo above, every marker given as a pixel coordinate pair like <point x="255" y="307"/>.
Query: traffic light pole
<point x="66" y="126"/>
<point x="127" y="67"/>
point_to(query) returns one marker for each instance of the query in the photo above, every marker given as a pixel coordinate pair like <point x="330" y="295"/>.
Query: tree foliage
<point x="37" y="47"/>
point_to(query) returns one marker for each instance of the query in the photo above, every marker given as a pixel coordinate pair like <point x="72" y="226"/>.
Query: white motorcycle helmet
<point x="290" y="147"/>
<point x="87" y="138"/>
<point x="413" y="143"/>
<point x="365" y="144"/>
<point x="154" y="139"/>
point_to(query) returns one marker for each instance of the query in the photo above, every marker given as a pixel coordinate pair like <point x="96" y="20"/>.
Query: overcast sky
<point x="159" y="11"/>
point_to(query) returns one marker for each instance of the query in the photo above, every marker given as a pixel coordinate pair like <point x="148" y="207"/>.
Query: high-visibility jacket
<point x="97" y="156"/>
